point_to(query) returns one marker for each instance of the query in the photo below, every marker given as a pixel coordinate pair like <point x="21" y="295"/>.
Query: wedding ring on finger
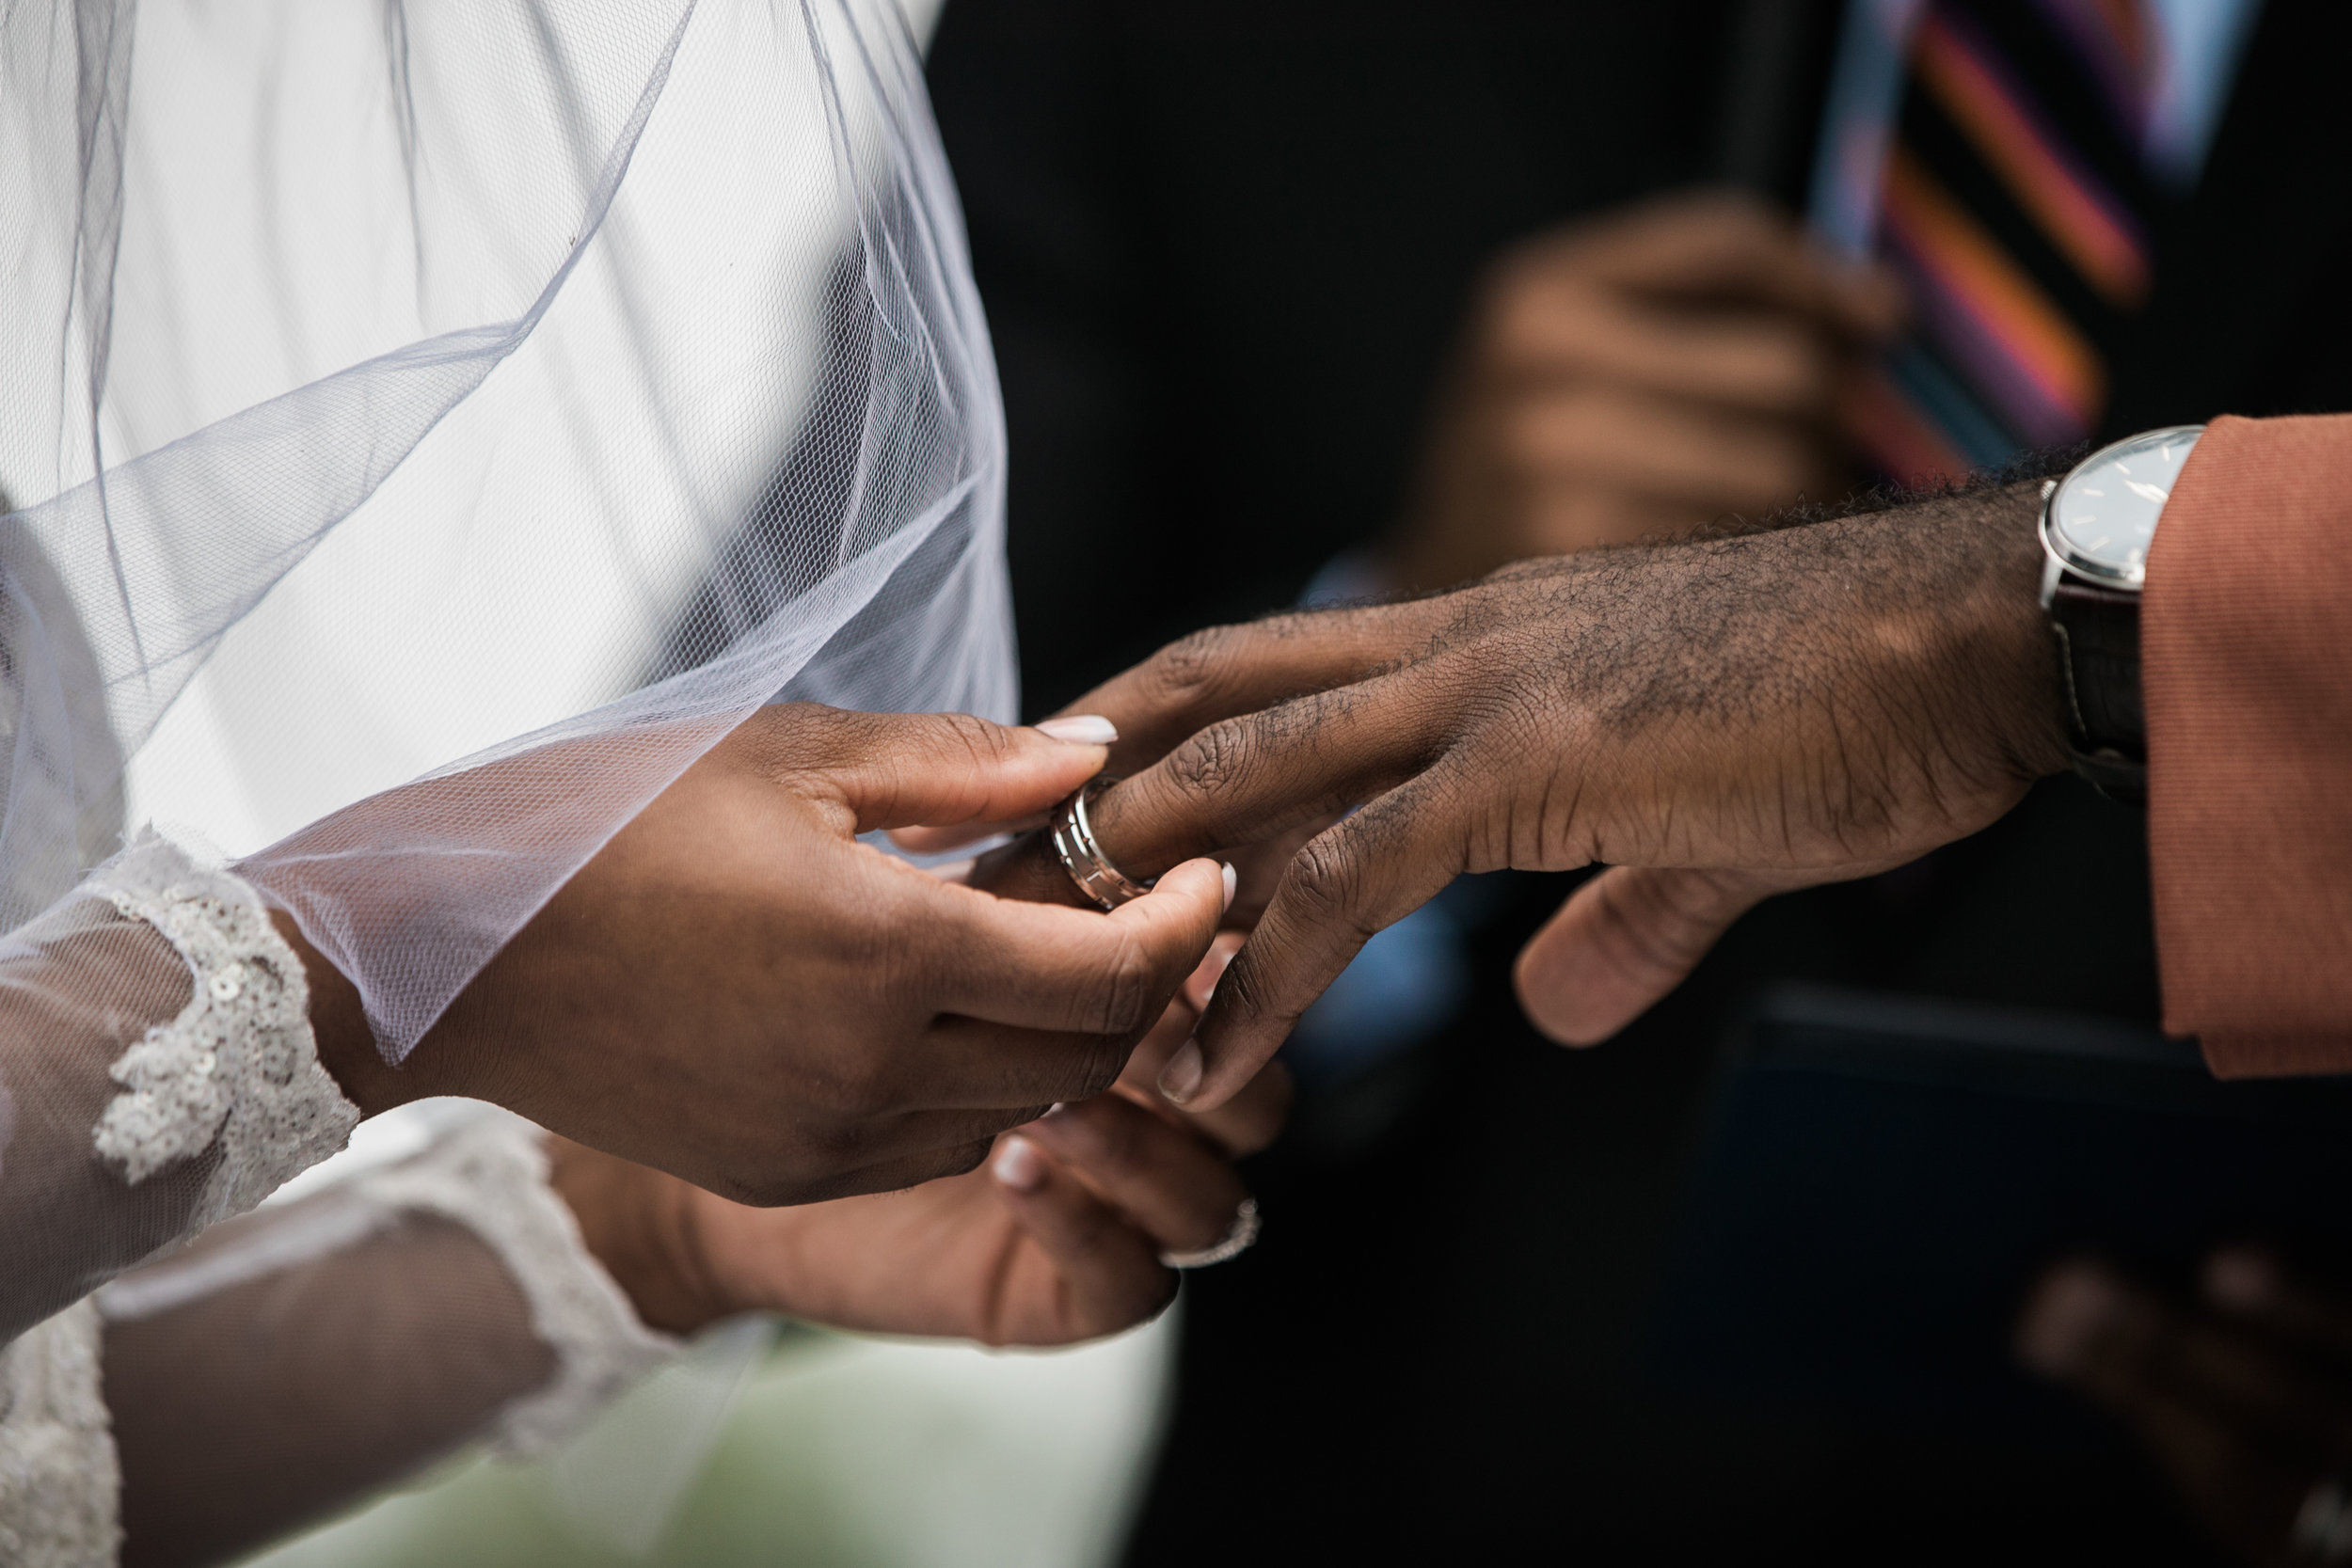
<point x="1238" y="1238"/>
<point x="1074" y="845"/>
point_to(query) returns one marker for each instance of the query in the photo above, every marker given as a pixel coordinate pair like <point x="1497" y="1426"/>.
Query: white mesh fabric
<point x="407" y="391"/>
<point x="78" y="987"/>
<point x="396" y="388"/>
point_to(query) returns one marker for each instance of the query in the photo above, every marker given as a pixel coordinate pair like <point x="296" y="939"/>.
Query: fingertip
<point x="1179" y="1080"/>
<point x="1214" y="1075"/>
<point x="1544" y="979"/>
<point x="1621" y="943"/>
<point x="1200" y="883"/>
<point x="1018" y="1164"/>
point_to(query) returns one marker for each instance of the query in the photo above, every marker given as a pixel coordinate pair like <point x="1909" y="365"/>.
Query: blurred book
<point x="1883" y="1177"/>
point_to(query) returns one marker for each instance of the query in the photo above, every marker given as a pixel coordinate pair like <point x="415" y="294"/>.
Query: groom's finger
<point x="1224" y="671"/>
<point x="1352" y="881"/>
<point x="1253" y="778"/>
<point x="1047" y="966"/>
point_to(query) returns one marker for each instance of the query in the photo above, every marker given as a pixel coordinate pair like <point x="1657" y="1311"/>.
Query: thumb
<point x="939" y="770"/>
<point x="1622" y="941"/>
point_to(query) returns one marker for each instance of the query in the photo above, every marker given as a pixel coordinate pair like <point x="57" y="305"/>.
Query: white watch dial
<point x="2100" y="521"/>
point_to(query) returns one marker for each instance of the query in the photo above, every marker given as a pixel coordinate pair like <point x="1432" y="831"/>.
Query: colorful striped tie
<point x="2012" y="203"/>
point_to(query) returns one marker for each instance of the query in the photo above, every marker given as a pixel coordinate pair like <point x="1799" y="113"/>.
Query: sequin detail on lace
<point x="239" y="1064"/>
<point x="60" y="1488"/>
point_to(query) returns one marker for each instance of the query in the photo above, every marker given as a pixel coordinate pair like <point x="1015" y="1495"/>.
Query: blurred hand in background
<point x="2243" y="1394"/>
<point x="1641" y="376"/>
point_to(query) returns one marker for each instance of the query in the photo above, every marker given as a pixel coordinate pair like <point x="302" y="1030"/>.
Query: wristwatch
<point x="2096" y="525"/>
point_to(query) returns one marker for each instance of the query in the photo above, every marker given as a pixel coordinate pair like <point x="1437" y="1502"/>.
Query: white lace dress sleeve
<point x="158" y="1076"/>
<point x="408" y="1311"/>
<point x="157" y="1073"/>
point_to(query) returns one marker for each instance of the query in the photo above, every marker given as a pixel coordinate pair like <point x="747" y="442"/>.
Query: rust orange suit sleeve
<point x="2246" y="633"/>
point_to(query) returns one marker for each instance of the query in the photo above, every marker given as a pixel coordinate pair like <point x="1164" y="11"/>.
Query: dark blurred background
<point x="1228" y="254"/>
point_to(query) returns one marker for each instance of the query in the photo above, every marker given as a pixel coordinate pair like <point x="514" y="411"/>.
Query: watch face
<point x="2099" y="521"/>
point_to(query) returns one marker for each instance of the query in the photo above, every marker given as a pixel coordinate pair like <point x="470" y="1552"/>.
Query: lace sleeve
<point x="400" y="1314"/>
<point x="58" y="1474"/>
<point x="157" y="1074"/>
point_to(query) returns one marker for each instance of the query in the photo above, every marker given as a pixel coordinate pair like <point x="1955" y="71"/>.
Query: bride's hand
<point x="736" y="991"/>
<point x="1057" y="1239"/>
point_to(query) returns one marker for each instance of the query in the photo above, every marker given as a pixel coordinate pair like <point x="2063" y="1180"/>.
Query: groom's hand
<point x="736" y="991"/>
<point x="1715" y="721"/>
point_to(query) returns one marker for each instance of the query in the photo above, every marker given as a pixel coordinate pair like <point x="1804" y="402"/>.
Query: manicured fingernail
<point x="1081" y="729"/>
<point x="1181" y="1079"/>
<point x="1233" y="881"/>
<point x="1018" y="1164"/>
<point x="2071" y="1310"/>
<point x="2241" y="1279"/>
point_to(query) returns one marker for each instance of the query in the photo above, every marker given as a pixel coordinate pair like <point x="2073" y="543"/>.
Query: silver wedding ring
<point x="1074" y="845"/>
<point x="1238" y="1238"/>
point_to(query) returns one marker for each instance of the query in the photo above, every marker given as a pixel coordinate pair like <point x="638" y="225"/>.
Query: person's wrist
<point x="339" y="1027"/>
<point x="2002" y="649"/>
<point x="2037" y="722"/>
<point x="639" y="1226"/>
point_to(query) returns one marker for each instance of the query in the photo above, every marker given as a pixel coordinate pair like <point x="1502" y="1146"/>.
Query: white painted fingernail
<point x="1233" y="881"/>
<point x="1018" y="1164"/>
<point x="1081" y="729"/>
<point x="1181" y="1079"/>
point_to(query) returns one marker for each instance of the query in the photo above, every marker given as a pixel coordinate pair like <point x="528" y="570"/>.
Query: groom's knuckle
<point x="1203" y="765"/>
<point x="1193" y="667"/>
<point x="1325" y="878"/>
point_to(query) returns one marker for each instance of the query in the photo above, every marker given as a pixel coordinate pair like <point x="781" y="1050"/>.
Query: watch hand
<point x="2147" y="492"/>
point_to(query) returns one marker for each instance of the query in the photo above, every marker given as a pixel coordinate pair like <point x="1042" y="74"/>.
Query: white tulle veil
<point x="395" y="387"/>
